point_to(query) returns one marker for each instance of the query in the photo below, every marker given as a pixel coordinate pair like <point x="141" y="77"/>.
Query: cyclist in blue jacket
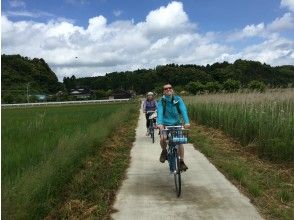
<point x="169" y="110"/>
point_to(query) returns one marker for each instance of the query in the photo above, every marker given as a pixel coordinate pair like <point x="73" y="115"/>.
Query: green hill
<point x="144" y="80"/>
<point x="21" y="75"/>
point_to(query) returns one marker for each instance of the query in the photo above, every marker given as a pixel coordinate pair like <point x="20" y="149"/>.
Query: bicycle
<point x="151" y="117"/>
<point x="176" y="135"/>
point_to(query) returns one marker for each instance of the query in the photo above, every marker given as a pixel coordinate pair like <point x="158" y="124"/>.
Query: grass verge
<point x="39" y="188"/>
<point x="269" y="186"/>
<point x="91" y="192"/>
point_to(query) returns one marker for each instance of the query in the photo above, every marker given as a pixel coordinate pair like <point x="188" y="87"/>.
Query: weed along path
<point x="148" y="191"/>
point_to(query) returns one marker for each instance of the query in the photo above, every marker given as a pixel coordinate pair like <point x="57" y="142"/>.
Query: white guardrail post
<point x="64" y="103"/>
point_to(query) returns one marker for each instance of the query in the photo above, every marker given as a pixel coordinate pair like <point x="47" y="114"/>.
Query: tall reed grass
<point x="264" y="121"/>
<point x="42" y="148"/>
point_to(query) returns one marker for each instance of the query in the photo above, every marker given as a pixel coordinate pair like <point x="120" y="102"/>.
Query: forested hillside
<point x="241" y="72"/>
<point x="21" y="75"/>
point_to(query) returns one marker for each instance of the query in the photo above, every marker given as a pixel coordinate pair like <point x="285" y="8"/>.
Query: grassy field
<point x="262" y="122"/>
<point x="269" y="186"/>
<point x="91" y="192"/>
<point x="42" y="148"/>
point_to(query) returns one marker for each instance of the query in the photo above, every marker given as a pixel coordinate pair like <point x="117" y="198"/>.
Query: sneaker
<point x="183" y="166"/>
<point x="163" y="156"/>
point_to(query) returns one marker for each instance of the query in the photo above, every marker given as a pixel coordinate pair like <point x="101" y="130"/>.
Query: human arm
<point x="184" y="112"/>
<point x="159" y="120"/>
<point x="144" y="106"/>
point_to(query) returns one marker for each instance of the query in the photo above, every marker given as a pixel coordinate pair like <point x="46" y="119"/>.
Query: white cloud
<point x="283" y="23"/>
<point x="277" y="50"/>
<point x="288" y="4"/>
<point x="286" y="22"/>
<point x="17" y="4"/>
<point x="251" y="30"/>
<point x="170" y="16"/>
<point x="165" y="36"/>
<point x="31" y="14"/>
<point x="117" y="13"/>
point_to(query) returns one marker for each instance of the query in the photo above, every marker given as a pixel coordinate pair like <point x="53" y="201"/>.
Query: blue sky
<point x="109" y="35"/>
<point x="211" y="15"/>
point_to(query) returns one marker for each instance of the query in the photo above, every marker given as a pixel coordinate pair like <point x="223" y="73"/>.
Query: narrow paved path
<point x="148" y="192"/>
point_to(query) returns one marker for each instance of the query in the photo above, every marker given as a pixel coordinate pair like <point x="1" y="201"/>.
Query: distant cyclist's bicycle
<point x="176" y="135"/>
<point x="151" y="117"/>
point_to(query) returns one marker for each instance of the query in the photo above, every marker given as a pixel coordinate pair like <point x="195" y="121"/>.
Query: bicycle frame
<point x="151" y="124"/>
<point x="176" y="136"/>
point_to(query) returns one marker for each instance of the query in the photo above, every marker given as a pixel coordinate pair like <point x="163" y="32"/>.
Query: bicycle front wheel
<point x="152" y="136"/>
<point x="177" y="174"/>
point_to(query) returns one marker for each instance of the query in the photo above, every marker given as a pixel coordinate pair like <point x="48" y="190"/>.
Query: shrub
<point x="213" y="86"/>
<point x="232" y="85"/>
<point x="257" y="86"/>
<point x="195" y="87"/>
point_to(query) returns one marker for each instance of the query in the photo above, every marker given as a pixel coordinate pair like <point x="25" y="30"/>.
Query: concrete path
<point x="149" y="193"/>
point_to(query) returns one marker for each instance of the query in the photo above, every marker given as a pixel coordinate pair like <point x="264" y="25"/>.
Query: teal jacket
<point x="171" y="116"/>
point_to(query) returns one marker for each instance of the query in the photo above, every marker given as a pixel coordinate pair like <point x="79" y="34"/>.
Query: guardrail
<point x="64" y="103"/>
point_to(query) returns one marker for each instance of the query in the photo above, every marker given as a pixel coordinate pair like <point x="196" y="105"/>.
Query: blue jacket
<point x="171" y="116"/>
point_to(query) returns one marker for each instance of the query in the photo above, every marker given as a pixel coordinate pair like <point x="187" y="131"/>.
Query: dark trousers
<point x="148" y="121"/>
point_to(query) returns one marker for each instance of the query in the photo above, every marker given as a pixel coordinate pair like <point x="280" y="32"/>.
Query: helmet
<point x="150" y="93"/>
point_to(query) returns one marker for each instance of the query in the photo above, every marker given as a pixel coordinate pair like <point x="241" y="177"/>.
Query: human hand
<point x="187" y="126"/>
<point x="161" y="127"/>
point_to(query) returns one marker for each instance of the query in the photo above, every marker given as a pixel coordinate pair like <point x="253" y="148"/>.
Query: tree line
<point x="22" y="75"/>
<point x="192" y="78"/>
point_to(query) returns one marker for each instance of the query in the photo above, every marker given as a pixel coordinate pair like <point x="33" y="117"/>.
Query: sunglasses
<point x="166" y="88"/>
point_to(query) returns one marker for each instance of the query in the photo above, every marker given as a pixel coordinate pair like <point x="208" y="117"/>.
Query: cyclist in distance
<point x="149" y="104"/>
<point x="169" y="110"/>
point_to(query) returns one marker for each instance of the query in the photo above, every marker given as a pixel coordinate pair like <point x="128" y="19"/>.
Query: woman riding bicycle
<point x="169" y="109"/>
<point x="149" y="105"/>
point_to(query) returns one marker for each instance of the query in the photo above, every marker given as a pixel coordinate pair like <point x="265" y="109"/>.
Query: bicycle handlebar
<point x="173" y="127"/>
<point x="150" y="112"/>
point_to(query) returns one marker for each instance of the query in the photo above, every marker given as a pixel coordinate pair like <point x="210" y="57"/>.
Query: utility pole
<point x="28" y="99"/>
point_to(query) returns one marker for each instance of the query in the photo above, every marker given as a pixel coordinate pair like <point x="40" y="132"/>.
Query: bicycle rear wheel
<point x="152" y="131"/>
<point x="177" y="174"/>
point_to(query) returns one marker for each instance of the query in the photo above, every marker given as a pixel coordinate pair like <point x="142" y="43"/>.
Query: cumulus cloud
<point x="288" y="4"/>
<point x="251" y="30"/>
<point x="286" y="22"/>
<point x="283" y="23"/>
<point x="165" y="36"/>
<point x="276" y="50"/>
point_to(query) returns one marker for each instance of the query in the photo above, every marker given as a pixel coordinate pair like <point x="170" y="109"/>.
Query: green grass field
<point x="262" y="122"/>
<point x="43" y="147"/>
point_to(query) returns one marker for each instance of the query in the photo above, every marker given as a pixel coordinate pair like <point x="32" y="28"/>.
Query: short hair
<point x="166" y="84"/>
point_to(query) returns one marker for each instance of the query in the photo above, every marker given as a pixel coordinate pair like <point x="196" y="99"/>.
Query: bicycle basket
<point x="154" y="115"/>
<point x="179" y="136"/>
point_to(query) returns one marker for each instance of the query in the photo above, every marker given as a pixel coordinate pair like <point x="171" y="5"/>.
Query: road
<point x="148" y="190"/>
